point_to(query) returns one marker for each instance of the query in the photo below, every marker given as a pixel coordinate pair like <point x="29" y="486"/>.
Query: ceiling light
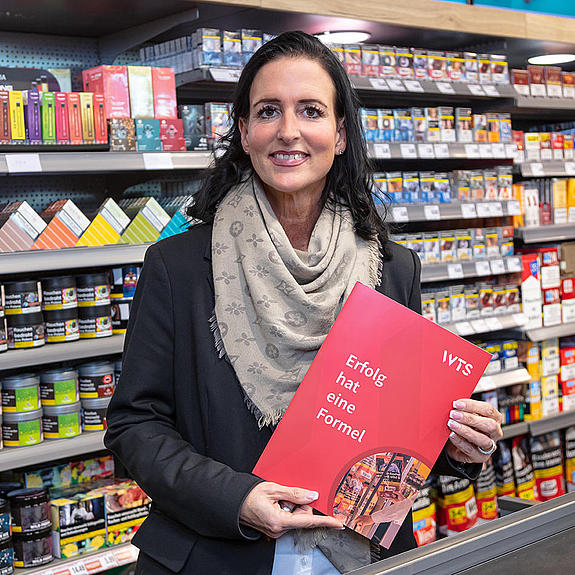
<point x="549" y="59"/>
<point x="350" y="37"/>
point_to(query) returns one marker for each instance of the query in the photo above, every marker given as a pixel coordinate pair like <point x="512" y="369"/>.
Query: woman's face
<point x="292" y="133"/>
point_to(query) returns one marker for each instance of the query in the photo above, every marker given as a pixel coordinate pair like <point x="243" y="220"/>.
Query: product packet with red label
<point x="547" y="455"/>
<point x="424" y="515"/>
<point x="457" y="505"/>
<point x="486" y="494"/>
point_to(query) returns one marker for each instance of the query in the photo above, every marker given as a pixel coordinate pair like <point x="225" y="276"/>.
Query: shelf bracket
<point x="112" y="45"/>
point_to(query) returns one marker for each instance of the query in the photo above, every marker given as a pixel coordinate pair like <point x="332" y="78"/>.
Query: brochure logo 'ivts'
<point x="458" y="363"/>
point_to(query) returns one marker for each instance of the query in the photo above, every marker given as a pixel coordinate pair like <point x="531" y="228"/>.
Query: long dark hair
<point x="349" y="181"/>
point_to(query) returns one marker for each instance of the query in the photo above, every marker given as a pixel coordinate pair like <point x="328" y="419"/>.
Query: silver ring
<point x="490" y="450"/>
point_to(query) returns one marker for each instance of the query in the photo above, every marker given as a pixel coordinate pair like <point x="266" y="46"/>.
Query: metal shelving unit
<point x="486" y="325"/>
<point x="56" y="352"/>
<point x="561" y="330"/>
<point x="427" y="151"/>
<point x="552" y="423"/>
<point x="515" y="429"/>
<point x="472" y="269"/>
<point x="556" y="168"/>
<point x="550" y="233"/>
<point x="497" y="380"/>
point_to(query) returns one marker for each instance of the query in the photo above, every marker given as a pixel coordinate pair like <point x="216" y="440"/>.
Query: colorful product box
<point x="520" y="80"/>
<point x="4" y="118"/>
<point x="122" y="135"/>
<point x="177" y="225"/>
<point x="386" y="125"/>
<point x="172" y="135"/>
<point x="100" y="122"/>
<point x="107" y="226"/>
<point x="33" y="116"/>
<point x="464" y="125"/>
<point x="75" y="118"/>
<point x="66" y="224"/>
<point x="499" y="69"/>
<point x="436" y="66"/>
<point x="420" y="64"/>
<point x="217" y="117"/>
<point x="148" y="221"/>
<point x="484" y="61"/>
<point x="87" y="115"/>
<point x="232" y="48"/>
<point x="479" y="128"/>
<point x="403" y="125"/>
<point x="554" y="81"/>
<point x="433" y="124"/>
<point x="252" y="41"/>
<point x="164" y="88"/>
<point x="419" y="124"/>
<point x="194" y="126"/>
<point x="20" y="226"/>
<point x="370" y="60"/>
<point x="352" y="55"/>
<point x="48" y="118"/>
<point x="455" y="66"/>
<point x="387" y="62"/>
<point x="207" y="45"/>
<point x="567" y="358"/>
<point x="537" y="80"/>
<point x="568" y="85"/>
<point x="493" y="128"/>
<point x="17" y="123"/>
<point x="141" y="91"/>
<point x="471" y="67"/>
<point x="62" y="118"/>
<point x="447" y="124"/>
<point x="112" y="81"/>
<point x="148" y="135"/>
<point x="404" y="63"/>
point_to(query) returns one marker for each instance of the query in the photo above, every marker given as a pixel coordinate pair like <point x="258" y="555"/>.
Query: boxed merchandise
<point x="471" y="67"/>
<point x="554" y="81"/>
<point x="87" y="115"/>
<point x="122" y="135"/>
<point x="337" y="49"/>
<point x="550" y="395"/>
<point x="506" y="133"/>
<point x="33" y="117"/>
<point x="513" y="303"/>
<point x="415" y="242"/>
<point x="520" y="80"/>
<point x="447" y="245"/>
<point x="568" y="300"/>
<point x="486" y="302"/>
<point x="471" y="302"/>
<point x="546" y="146"/>
<point x="172" y="136"/>
<point x="447" y="124"/>
<point x="479" y="128"/>
<point x="387" y="61"/>
<point x="457" y="303"/>
<point x="424" y="516"/>
<point x="442" y="187"/>
<point x="547" y="456"/>
<point x="427" y="187"/>
<point x="411" y="187"/>
<point x="436" y="66"/>
<point x="107" y="227"/>
<point x="486" y="494"/>
<point x="370" y="60"/>
<point x="499" y="299"/>
<point x="17" y="123"/>
<point x="455" y="66"/>
<point x="4" y="118"/>
<point x="559" y="201"/>
<point x="112" y="81"/>
<point x="558" y="144"/>
<point x="493" y="128"/>
<point x="178" y="224"/>
<point x="433" y="125"/>
<point x="484" y="61"/>
<point x="499" y="69"/>
<point x="428" y="306"/>
<point x="420" y="64"/>
<point x="232" y="47"/>
<point x="506" y="246"/>
<point x="148" y="221"/>
<point x="457" y="505"/>
<point x="431" y="248"/>
<point x="505" y="182"/>
<point x="463" y="124"/>
<point x="479" y="244"/>
<point x="492" y="242"/>
<point x="74" y="118"/>
<point x="379" y="188"/>
<point x="462" y="185"/>
<point x="100" y="123"/>
<point x="141" y="91"/>
<point x="510" y="360"/>
<point x="217" y="118"/>
<point x="369" y="124"/>
<point x="62" y="118"/>
<point x="93" y="469"/>
<point x="20" y="227"/>
<point x="533" y="146"/>
<point x="194" y="126"/>
<point x="404" y="63"/>
<point x="207" y="48"/>
<point x="148" y="135"/>
<point x="48" y="118"/>
<point x="403" y="125"/>
<point x="523" y="469"/>
<point x="537" y="80"/>
<point x="463" y="243"/>
<point x="570" y="458"/>
<point x="442" y="308"/>
<point x="66" y="224"/>
<point x="352" y="59"/>
<point x="531" y="205"/>
<point x="495" y="365"/>
<point x="550" y="357"/>
<point x="419" y="124"/>
<point x="568" y="85"/>
<point x="395" y="186"/>
<point x="502" y="461"/>
<point x="386" y="125"/>
<point x="490" y="187"/>
<point x="251" y="42"/>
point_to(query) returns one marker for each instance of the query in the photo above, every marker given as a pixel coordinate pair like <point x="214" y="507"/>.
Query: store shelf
<point x="538" y="104"/>
<point x="425" y="151"/>
<point x="550" y="233"/>
<point x="561" y="330"/>
<point x="497" y="380"/>
<point x="51" y="450"/>
<point x="515" y="429"/>
<point x="552" y="423"/>
<point x="557" y="168"/>
<point x="100" y="162"/>
<point x="461" y="270"/>
<point x="56" y="352"/>
<point x="97" y="562"/>
<point x="486" y="325"/>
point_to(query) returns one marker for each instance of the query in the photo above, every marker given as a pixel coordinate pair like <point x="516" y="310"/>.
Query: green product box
<point x="149" y="222"/>
<point x="48" y="118"/>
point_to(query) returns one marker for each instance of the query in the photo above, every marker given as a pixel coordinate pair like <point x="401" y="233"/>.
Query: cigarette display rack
<point x="549" y="233"/>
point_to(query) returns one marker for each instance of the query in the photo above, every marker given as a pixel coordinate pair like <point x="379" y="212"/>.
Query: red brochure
<point x="370" y="417"/>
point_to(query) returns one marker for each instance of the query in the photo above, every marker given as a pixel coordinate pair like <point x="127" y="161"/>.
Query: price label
<point x="408" y="151"/>
<point x="455" y="271"/>
<point x="441" y="151"/>
<point x="432" y="212"/>
<point x="537" y="169"/>
<point x="382" y="151"/>
<point x="513" y="208"/>
<point x="109" y="561"/>
<point x="44" y="572"/>
<point x="479" y="325"/>
<point x="476" y="89"/>
<point x="497" y="267"/>
<point x="485" y="151"/>
<point x="413" y="86"/>
<point x="468" y="211"/>
<point x="472" y="151"/>
<point x="93" y="565"/>
<point x="125" y="556"/>
<point x="493" y="323"/>
<point x="400" y="214"/>
<point x="78" y="569"/>
<point x="426" y="151"/>
<point x="519" y="319"/>
<point x="496" y="209"/>
<point x="498" y="150"/>
<point x="463" y="328"/>
<point x="485" y="383"/>
<point x="159" y="161"/>
<point x="482" y="268"/>
<point x="396" y="85"/>
<point x="510" y="151"/>
<point x="445" y="88"/>
<point x="379" y="84"/>
<point x="514" y="264"/>
<point x="570" y="168"/>
<point x="484" y="210"/>
<point x="491" y="91"/>
<point x="225" y="74"/>
<point x="23" y="163"/>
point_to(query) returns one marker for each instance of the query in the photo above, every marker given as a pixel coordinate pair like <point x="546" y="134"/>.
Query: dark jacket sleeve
<point x="196" y="491"/>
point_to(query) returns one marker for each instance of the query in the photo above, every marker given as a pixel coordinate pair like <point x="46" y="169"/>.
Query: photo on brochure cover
<point x="376" y="494"/>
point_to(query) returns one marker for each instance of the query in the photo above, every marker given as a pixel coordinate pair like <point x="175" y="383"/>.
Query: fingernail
<point x="453" y="435"/>
<point x="453" y="424"/>
<point x="457" y="415"/>
<point x="341" y="528"/>
<point x="312" y="495"/>
<point x="459" y="404"/>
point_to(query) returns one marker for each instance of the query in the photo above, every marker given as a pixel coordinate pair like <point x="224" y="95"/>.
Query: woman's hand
<point x="262" y="510"/>
<point x="473" y="424"/>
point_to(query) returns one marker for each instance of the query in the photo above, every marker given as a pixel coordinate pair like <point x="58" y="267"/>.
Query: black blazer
<point x="179" y="424"/>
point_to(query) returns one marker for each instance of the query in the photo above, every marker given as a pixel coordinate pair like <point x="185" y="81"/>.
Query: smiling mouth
<point x="287" y="159"/>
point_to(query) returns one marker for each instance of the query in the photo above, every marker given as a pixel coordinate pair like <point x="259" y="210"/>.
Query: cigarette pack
<point x="403" y="125"/>
<point x="476" y="184"/>
<point x="107" y="227"/>
<point x="462" y="185"/>
<point x="395" y="186"/>
<point x="251" y="42"/>
<point x="415" y="242"/>
<point x="148" y="221"/>
<point x="100" y="123"/>
<point x="568" y="85"/>
<point x="455" y="66"/>
<point x="419" y="124"/>
<point x="490" y="185"/>
<point x="194" y="126"/>
<point x="370" y="60"/>
<point x="164" y="88"/>
<point x="122" y="135"/>
<point x="48" y="118"/>
<point x="484" y="61"/>
<point x="546" y="146"/>
<point x="433" y="123"/>
<point x="420" y="64"/>
<point x="4" y="118"/>
<point x="558" y="144"/>
<point x="457" y="303"/>
<point x="207" y="47"/>
<point x="411" y="187"/>
<point x="352" y="54"/>
<point x="492" y="242"/>
<point x="486" y="306"/>
<point x="172" y="135"/>
<point x="217" y="117"/>
<point x="436" y="66"/>
<point x="17" y="123"/>
<point x="499" y="69"/>
<point x="505" y="128"/>
<point x="87" y="114"/>
<point x="387" y="62"/>
<point x="112" y="81"/>
<point x="20" y="227"/>
<point x="386" y="124"/>
<point x="554" y="81"/>
<point x="148" y="135"/>
<point x="442" y="187"/>
<point x="427" y="187"/>
<point x="74" y="118"/>
<point x="369" y="124"/>
<point x="464" y="125"/>
<point x="141" y="91"/>
<point x="520" y="79"/>
<point x="379" y="189"/>
<point x="404" y="63"/>
<point x="493" y="128"/>
<point x="66" y="224"/>
<point x="442" y="309"/>
<point x="447" y="124"/>
<point x="431" y="248"/>
<point x="505" y="182"/>
<point x="537" y="80"/>
<point x="479" y="244"/>
<point x="428" y="310"/>
<point x="471" y="302"/>
<point x="471" y="67"/>
<point x="62" y="119"/>
<point x="32" y="116"/>
<point x="232" y="46"/>
<point x="479" y="128"/>
<point x="464" y="245"/>
<point x="447" y="246"/>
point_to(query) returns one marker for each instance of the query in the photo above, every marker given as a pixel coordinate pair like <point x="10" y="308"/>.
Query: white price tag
<point x="78" y="569"/>
<point x="468" y="211"/>
<point x="485" y="383"/>
<point x="491" y="91"/>
<point x="514" y="264"/>
<point x="109" y="561"/>
<point x="483" y="210"/>
<point x="23" y="163"/>
<point x="513" y="208"/>
<point x="482" y="268"/>
<point x="379" y="84"/>
<point x="396" y="85"/>
<point x="496" y="209"/>
<point x="445" y="88"/>
<point x="570" y="168"/>
<point x="441" y="151"/>
<point x="159" y="161"/>
<point x="455" y="271"/>
<point x="537" y="169"/>
<point x="479" y="325"/>
<point x="472" y="151"/>
<point x="519" y="319"/>
<point x="399" y="214"/>
<point x="426" y="151"/>
<point x="382" y="151"/>
<point x="463" y="328"/>
<point x="46" y="572"/>
<point x="485" y="151"/>
<point x="126" y="555"/>
<point x="225" y="74"/>
<point x="493" y="323"/>
<point x="408" y="151"/>
<point x="497" y="267"/>
<point x="510" y="151"/>
<point x="498" y="150"/>
<point x="94" y="565"/>
<point x="476" y="89"/>
<point x="413" y="86"/>
<point x="432" y="212"/>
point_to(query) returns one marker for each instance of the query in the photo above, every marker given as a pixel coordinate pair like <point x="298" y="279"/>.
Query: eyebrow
<point x="278" y="101"/>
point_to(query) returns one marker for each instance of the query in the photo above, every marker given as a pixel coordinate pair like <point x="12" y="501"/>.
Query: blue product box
<point x="411" y="187"/>
<point x="386" y="125"/>
<point x="148" y="135"/>
<point x="427" y="187"/>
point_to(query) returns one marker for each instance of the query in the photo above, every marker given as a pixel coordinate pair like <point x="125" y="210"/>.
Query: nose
<point x="288" y="129"/>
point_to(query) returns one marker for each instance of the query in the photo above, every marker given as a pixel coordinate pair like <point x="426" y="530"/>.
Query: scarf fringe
<point x="218" y="340"/>
<point x="263" y="420"/>
<point x="375" y="262"/>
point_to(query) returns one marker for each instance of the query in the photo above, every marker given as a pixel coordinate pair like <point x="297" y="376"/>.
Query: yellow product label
<point x="424" y="513"/>
<point x="17" y="125"/>
<point x="94" y="427"/>
<point x="25" y="344"/>
<point x="457" y="515"/>
<point x="551" y="472"/>
<point x="119" y="331"/>
<point x="488" y="508"/>
<point x="55" y="338"/>
<point x="13" y="311"/>
<point x="459" y="497"/>
<point x="506" y="489"/>
<point x="83" y="536"/>
<point x="489" y="494"/>
<point x="88" y="335"/>
<point x="525" y="491"/>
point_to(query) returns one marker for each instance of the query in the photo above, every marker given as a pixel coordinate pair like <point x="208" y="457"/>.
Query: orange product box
<point x="74" y="118"/>
<point x="100" y="122"/>
<point x="62" y="119"/>
<point x="164" y="88"/>
<point x="66" y="224"/>
<point x="4" y="118"/>
<point x="112" y="81"/>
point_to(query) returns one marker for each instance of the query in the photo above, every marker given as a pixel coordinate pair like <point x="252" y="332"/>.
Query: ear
<point x="243" y="126"/>
<point x="341" y="139"/>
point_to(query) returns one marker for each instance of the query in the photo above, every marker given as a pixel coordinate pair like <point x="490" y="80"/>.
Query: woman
<point x="229" y="315"/>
